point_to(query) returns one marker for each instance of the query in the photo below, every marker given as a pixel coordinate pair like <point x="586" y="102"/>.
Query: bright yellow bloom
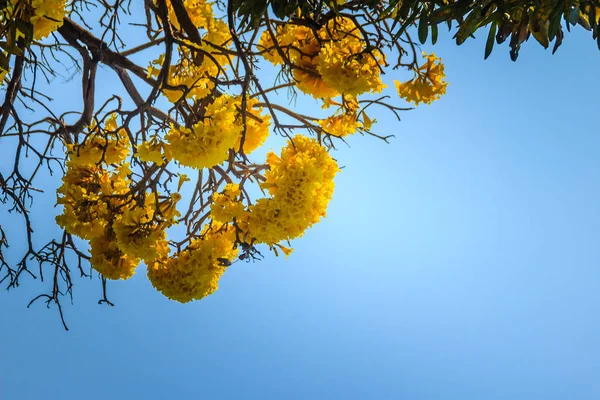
<point x="194" y="273"/>
<point x="293" y="41"/>
<point x="300" y="47"/>
<point x="138" y="234"/>
<point x="344" y="61"/>
<point x="301" y="184"/>
<point x="199" y="11"/>
<point x="207" y="143"/>
<point x="428" y="85"/>
<point x="345" y="121"/>
<point x="336" y="62"/>
<point x="189" y="79"/>
<point x="108" y="260"/>
<point x="197" y="64"/>
<point x="86" y="196"/>
<point x="48" y="16"/>
<point x="109" y="145"/>
<point x="312" y="83"/>
<point x="340" y="125"/>
<point x="153" y="151"/>
<point x="257" y="126"/>
<point x="227" y="205"/>
<point x="166" y="212"/>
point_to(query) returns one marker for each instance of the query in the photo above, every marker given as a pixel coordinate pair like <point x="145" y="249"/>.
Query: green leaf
<point x="4" y="61"/>
<point x="573" y="16"/>
<point x="434" y="34"/>
<point x="423" y="28"/>
<point x="468" y="27"/>
<point x="554" y="25"/>
<point x="490" y="40"/>
<point x="442" y="14"/>
<point x="542" y="34"/>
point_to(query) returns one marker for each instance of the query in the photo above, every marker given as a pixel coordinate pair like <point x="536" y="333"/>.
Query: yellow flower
<point x="300" y="47"/>
<point x="286" y="250"/>
<point x="153" y="151"/>
<point x="167" y="207"/>
<point x="257" y="126"/>
<point x="109" y="145"/>
<point x="194" y="273"/>
<point x="199" y="11"/>
<point x="313" y="84"/>
<point x="86" y="198"/>
<point x="226" y="205"/>
<point x="138" y="234"/>
<point x="300" y="182"/>
<point x="348" y="68"/>
<point x="108" y="260"/>
<point x="340" y="125"/>
<point x="207" y="143"/>
<point x="48" y="16"/>
<point x="428" y="85"/>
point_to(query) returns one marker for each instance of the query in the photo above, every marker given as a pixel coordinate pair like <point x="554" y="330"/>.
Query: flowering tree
<point x="132" y="168"/>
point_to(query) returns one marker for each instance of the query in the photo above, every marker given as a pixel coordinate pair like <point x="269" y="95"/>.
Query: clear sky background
<point x="461" y="261"/>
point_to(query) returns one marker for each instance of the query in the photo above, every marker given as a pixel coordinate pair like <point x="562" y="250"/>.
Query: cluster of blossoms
<point x="127" y="226"/>
<point x="337" y="61"/>
<point x="194" y="272"/>
<point x="328" y="62"/>
<point x="107" y="201"/>
<point x="193" y="76"/>
<point x="300" y="182"/>
<point x="428" y="84"/>
<point x="98" y="204"/>
<point x="221" y="128"/>
<point x="45" y="16"/>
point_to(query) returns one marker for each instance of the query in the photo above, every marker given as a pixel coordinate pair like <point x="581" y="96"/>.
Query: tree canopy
<point x="162" y="172"/>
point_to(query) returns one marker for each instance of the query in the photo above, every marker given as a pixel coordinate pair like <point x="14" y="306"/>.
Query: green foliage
<point x="512" y="20"/>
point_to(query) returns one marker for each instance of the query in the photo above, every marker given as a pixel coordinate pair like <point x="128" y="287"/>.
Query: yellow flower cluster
<point x="194" y="273"/>
<point x="109" y="260"/>
<point x="207" y="143"/>
<point x="428" y="84"/>
<point x="197" y="64"/>
<point x="82" y="194"/>
<point x="340" y="125"/>
<point x="227" y="206"/>
<point x="155" y="151"/>
<point x="300" y="182"/>
<point x="333" y="61"/>
<point x="98" y="205"/>
<point x="345" y="121"/>
<point x="121" y="232"/>
<point x="199" y="11"/>
<point x="188" y="79"/>
<point x="347" y="66"/>
<point x="47" y="17"/>
<point x="109" y="145"/>
<point x="138" y="233"/>
<point x="257" y="126"/>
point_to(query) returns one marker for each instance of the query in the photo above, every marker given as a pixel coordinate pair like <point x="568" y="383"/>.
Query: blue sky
<point x="461" y="261"/>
